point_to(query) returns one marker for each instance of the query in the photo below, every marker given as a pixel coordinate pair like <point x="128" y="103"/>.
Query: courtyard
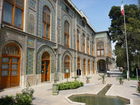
<point x="43" y="92"/>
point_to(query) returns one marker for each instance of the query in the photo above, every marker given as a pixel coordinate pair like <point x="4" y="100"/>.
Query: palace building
<point x="47" y="41"/>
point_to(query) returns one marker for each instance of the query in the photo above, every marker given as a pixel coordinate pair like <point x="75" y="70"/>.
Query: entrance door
<point x="10" y="67"/>
<point x="67" y="67"/>
<point x="45" y="76"/>
<point x="102" y="66"/>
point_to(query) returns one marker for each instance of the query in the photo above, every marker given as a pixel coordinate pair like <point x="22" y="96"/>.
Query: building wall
<point x="33" y="45"/>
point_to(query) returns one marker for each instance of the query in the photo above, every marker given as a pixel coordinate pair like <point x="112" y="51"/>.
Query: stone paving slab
<point x="43" y="92"/>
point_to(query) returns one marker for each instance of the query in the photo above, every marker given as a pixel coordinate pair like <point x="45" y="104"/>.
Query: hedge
<point x="69" y="85"/>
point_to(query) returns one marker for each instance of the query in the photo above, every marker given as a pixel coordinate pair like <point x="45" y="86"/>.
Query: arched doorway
<point x="101" y="66"/>
<point x="45" y="73"/>
<point x="10" y="66"/>
<point x="67" y="67"/>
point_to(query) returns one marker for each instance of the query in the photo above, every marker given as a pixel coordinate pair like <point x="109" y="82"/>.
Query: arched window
<point x="88" y="45"/>
<point x="66" y="66"/>
<point x="83" y="45"/>
<point x="46" y="22"/>
<point x="78" y="40"/>
<point x="84" y="66"/>
<point x="66" y="34"/>
<point x="100" y="49"/>
<point x="78" y="63"/>
<point x="88" y="66"/>
<point x="92" y="48"/>
<point x="13" y="12"/>
<point x="93" y="67"/>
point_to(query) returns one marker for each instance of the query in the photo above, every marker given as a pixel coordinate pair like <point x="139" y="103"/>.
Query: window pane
<point x="18" y="17"/>
<point x="14" y="66"/>
<point x="14" y="60"/>
<point x="46" y="15"/>
<point x="4" y="73"/>
<point x="5" y="66"/>
<point x="47" y="30"/>
<point x="20" y="3"/>
<point x="14" y="73"/>
<point x="98" y="53"/>
<point x="7" y="13"/>
<point x="65" y="40"/>
<point x="102" y="52"/>
<point x="5" y="60"/>
<point x="66" y="27"/>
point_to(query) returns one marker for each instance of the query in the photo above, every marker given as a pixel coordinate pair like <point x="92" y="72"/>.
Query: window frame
<point x="66" y="34"/>
<point x="100" y="49"/>
<point x="14" y="7"/>
<point x="46" y="23"/>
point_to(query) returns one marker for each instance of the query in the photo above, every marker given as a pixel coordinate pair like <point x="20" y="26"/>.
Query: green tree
<point x="132" y="14"/>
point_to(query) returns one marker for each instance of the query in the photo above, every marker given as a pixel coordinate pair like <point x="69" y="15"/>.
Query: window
<point x="66" y="66"/>
<point x="78" y="63"/>
<point x="46" y="22"/>
<point x="88" y="66"/>
<point x="88" y="45"/>
<point x="66" y="34"/>
<point x="92" y="48"/>
<point x="84" y="66"/>
<point x="100" y="49"/>
<point x="78" y="40"/>
<point x="93" y="67"/>
<point x="13" y="12"/>
<point x="83" y="43"/>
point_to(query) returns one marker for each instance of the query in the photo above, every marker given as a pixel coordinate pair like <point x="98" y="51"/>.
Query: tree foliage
<point x="132" y="15"/>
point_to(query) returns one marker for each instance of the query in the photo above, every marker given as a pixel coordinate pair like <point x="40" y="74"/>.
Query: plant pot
<point x="87" y="81"/>
<point x="139" y="83"/>
<point x="55" y="90"/>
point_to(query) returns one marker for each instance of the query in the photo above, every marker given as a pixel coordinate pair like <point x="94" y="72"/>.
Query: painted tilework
<point x="30" y="58"/>
<point x="30" y="43"/>
<point x="32" y="4"/>
<point x="47" y="3"/>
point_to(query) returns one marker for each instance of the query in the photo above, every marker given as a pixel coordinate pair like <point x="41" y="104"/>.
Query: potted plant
<point x="121" y="80"/>
<point x="87" y="79"/>
<point x="75" y="78"/>
<point x="102" y="78"/>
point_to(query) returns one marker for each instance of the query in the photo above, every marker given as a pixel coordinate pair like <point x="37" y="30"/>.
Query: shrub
<point x="7" y="100"/>
<point x="24" y="98"/>
<point x="70" y="85"/>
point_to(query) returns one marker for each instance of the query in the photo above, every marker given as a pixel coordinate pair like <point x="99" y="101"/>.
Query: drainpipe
<point x="56" y="35"/>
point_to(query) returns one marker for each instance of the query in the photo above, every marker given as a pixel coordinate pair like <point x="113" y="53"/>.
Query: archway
<point x="101" y="64"/>
<point x="45" y="73"/>
<point x="10" y="66"/>
<point x="67" y="67"/>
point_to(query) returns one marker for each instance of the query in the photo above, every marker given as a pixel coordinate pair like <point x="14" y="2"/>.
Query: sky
<point x="97" y="11"/>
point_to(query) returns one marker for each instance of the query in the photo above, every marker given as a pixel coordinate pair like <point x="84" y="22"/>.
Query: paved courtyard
<point x="43" y="93"/>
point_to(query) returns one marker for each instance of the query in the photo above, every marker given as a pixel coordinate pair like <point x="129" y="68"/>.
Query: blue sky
<point x="97" y="11"/>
